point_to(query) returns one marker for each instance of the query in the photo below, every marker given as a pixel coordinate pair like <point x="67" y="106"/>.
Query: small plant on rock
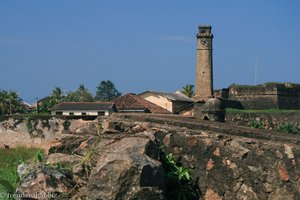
<point x="180" y="183"/>
<point x="40" y="156"/>
<point x="28" y="122"/>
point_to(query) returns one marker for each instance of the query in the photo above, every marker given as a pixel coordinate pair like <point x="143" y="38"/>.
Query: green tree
<point x="106" y="91"/>
<point x="56" y="97"/>
<point x="188" y="90"/>
<point x="82" y="94"/>
<point x="10" y="102"/>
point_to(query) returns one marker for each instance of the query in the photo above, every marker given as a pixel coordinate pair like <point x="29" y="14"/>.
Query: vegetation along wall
<point x="269" y="119"/>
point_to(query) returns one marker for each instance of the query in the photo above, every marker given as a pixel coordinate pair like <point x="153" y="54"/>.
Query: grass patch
<point x="10" y="159"/>
<point x="267" y="111"/>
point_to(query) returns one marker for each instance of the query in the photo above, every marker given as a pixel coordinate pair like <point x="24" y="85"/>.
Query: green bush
<point x="256" y="124"/>
<point x="288" y="128"/>
<point x="10" y="159"/>
<point x="180" y="183"/>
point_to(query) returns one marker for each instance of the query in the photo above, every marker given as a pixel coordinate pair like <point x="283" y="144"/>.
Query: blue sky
<point x="143" y="45"/>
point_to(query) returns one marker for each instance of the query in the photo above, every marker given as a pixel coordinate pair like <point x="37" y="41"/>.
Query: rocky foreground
<point x="120" y="158"/>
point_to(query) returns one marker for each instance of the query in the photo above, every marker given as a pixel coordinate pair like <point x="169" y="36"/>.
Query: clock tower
<point x="204" y="64"/>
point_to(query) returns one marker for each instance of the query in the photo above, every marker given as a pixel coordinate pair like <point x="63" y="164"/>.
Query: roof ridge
<point x="95" y="102"/>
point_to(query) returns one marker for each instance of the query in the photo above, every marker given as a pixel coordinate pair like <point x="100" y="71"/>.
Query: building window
<point x="101" y="113"/>
<point x="83" y="113"/>
<point x="58" y="113"/>
<point x="71" y="113"/>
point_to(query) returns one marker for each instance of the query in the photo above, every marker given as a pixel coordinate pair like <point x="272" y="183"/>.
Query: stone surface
<point x="211" y="195"/>
<point x="113" y="126"/>
<point x="281" y="194"/>
<point x="283" y="173"/>
<point x="68" y="144"/>
<point x="84" y="148"/>
<point x="44" y="181"/>
<point x="209" y="165"/>
<point x="83" y="127"/>
<point x="227" y="162"/>
<point x="126" y="169"/>
<point x="269" y="121"/>
<point x="246" y="193"/>
<point x="251" y="164"/>
<point x="63" y="159"/>
<point x="14" y="131"/>
<point x="288" y="151"/>
<point x="237" y="150"/>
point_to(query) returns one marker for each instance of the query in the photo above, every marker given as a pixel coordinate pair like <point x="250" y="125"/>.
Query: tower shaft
<point x="204" y="64"/>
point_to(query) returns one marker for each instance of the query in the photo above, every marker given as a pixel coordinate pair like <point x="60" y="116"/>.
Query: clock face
<point x="203" y="42"/>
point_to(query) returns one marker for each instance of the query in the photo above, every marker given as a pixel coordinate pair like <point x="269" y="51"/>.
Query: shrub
<point x="10" y="159"/>
<point x="256" y="124"/>
<point x="288" y="128"/>
<point x="180" y="183"/>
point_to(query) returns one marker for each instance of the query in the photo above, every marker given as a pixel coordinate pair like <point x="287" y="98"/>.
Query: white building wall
<point x="158" y="100"/>
<point x="79" y="112"/>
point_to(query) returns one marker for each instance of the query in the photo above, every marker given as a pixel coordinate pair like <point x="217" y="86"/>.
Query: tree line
<point x="11" y="103"/>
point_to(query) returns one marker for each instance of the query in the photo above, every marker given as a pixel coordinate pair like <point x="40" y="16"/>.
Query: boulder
<point x="83" y="127"/>
<point x="67" y="144"/>
<point x="63" y="159"/>
<point x="114" y="126"/>
<point x="85" y="147"/>
<point x="126" y="169"/>
<point x="44" y="182"/>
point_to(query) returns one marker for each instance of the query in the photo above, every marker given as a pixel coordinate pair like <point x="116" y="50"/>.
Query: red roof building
<point x="136" y="104"/>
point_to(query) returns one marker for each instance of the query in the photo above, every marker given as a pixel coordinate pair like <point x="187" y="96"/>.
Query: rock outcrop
<point x="44" y="182"/>
<point x="123" y="161"/>
<point x="126" y="168"/>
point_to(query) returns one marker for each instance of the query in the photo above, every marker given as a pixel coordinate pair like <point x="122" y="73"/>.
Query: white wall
<point x="158" y="100"/>
<point x="79" y="112"/>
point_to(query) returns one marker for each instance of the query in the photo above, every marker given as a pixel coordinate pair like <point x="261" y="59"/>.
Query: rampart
<point x="265" y="96"/>
<point x="269" y="120"/>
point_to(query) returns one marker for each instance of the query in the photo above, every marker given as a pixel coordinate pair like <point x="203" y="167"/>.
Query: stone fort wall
<point x="269" y="120"/>
<point x="265" y="96"/>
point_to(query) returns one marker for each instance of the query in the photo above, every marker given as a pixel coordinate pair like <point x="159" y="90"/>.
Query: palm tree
<point x="3" y="102"/>
<point x="188" y="90"/>
<point x="56" y="96"/>
<point x="9" y="102"/>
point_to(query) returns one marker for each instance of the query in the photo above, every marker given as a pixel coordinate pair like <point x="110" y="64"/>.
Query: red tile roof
<point x="132" y="102"/>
